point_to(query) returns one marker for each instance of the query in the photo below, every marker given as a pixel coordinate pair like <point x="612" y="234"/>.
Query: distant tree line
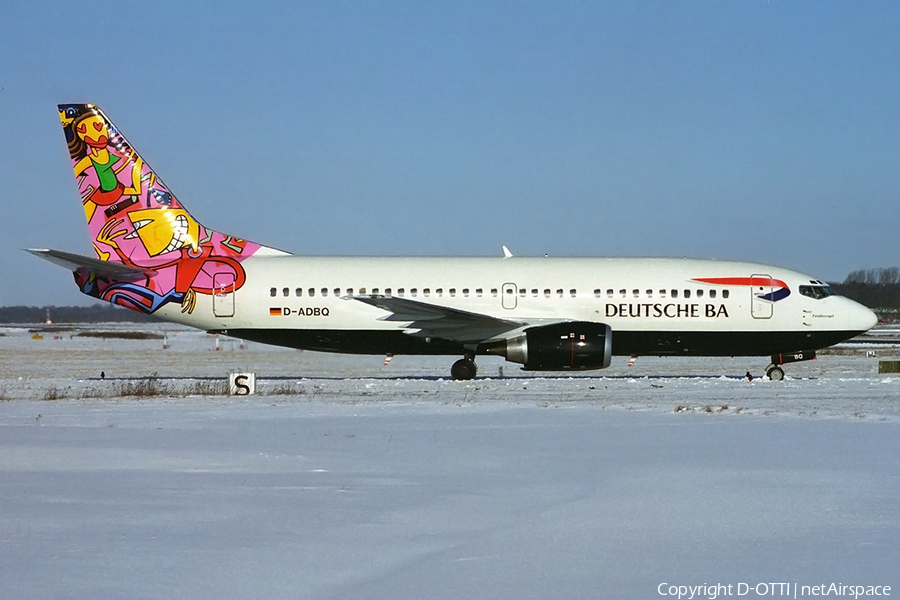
<point x="888" y="276"/>
<point x="875" y="288"/>
<point x="98" y="313"/>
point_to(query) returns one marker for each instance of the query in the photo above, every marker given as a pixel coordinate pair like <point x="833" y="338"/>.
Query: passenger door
<point x="761" y="308"/>
<point x="223" y="294"/>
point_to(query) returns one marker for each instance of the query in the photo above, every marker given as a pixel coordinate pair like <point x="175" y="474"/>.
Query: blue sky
<point x="761" y="131"/>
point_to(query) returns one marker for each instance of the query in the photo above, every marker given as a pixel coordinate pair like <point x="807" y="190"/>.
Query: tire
<point x="463" y="369"/>
<point x="775" y="373"/>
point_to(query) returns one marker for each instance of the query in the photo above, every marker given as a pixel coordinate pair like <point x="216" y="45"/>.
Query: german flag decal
<point x="274" y="312"/>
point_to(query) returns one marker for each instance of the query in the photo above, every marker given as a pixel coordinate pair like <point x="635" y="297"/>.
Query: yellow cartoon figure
<point x="160" y="231"/>
<point x="164" y="230"/>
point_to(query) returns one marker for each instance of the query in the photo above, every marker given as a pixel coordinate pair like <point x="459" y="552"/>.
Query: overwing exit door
<point x="509" y="295"/>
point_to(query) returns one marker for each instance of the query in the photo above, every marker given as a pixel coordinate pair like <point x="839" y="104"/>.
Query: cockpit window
<point x="817" y="291"/>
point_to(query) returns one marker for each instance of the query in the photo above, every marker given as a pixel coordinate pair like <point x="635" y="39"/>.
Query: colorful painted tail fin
<point x="134" y="219"/>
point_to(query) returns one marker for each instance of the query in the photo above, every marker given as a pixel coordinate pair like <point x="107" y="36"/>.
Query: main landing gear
<point x="464" y="369"/>
<point x="774" y="370"/>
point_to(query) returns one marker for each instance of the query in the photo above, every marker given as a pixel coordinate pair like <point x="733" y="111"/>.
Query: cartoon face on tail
<point x="163" y="230"/>
<point x="134" y="219"/>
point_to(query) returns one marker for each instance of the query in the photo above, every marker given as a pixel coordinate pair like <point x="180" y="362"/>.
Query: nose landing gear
<point x="775" y="373"/>
<point x="774" y="370"/>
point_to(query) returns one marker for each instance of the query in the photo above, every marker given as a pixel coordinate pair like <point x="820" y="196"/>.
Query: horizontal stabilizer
<point x="100" y="268"/>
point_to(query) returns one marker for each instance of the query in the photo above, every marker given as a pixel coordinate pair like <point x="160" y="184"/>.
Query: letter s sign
<point x="241" y="384"/>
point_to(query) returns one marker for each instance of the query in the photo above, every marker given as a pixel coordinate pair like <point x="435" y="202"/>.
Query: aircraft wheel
<point x="775" y="373"/>
<point x="463" y="369"/>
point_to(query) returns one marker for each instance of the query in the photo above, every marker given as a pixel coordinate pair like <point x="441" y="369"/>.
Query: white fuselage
<point x="632" y="295"/>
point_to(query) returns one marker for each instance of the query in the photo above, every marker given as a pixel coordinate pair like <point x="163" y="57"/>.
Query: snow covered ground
<point x="345" y="478"/>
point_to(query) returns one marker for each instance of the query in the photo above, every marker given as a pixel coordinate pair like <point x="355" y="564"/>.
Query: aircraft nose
<point x="861" y="318"/>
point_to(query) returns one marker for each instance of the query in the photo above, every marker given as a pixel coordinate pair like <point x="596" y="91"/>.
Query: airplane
<point x="546" y="314"/>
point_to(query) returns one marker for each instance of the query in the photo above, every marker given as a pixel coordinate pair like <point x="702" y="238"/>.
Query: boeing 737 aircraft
<point x="547" y="314"/>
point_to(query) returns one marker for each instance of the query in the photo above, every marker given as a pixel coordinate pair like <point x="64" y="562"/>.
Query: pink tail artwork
<point x="136" y="221"/>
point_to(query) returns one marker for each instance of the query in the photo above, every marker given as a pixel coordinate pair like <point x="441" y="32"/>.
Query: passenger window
<point x="374" y="291"/>
<point x="312" y="292"/>
<point x="573" y="293"/>
<point x="273" y="292"/>
<point x="609" y="293"/>
<point x="712" y="293"/>
<point x="325" y="291"/>
<point x="479" y="292"/>
<point x="413" y="292"/>
<point x="649" y="293"/>
<point x="623" y="293"/>
<point x="466" y="292"/>
<point x="699" y="293"/>
<point x="439" y="291"/>
<point x="662" y="293"/>
<point x="286" y="292"/>
<point x="674" y="294"/>
<point x="636" y="293"/>
<point x="547" y="293"/>
<point x="687" y="293"/>
<point x="401" y="291"/>
<point x="298" y="292"/>
<point x="494" y="292"/>
<point x="597" y="293"/>
<point x="452" y="292"/>
<point x="426" y="292"/>
<point x="522" y="292"/>
<point x="349" y="291"/>
<point x="534" y="292"/>
<point x="337" y="292"/>
<point x="387" y="291"/>
<point x="724" y="293"/>
<point x="362" y="291"/>
<point x="559" y="293"/>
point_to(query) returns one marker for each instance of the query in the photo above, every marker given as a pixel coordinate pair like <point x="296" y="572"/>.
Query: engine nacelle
<point x="576" y="345"/>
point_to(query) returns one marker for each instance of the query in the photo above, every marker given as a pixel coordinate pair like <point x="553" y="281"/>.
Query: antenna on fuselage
<point x="506" y="252"/>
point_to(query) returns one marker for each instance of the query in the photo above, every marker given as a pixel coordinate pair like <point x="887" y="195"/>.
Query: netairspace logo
<point x="791" y="590"/>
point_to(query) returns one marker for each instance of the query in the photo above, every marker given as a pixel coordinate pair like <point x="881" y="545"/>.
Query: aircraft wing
<point x="431" y="320"/>
<point x="100" y="268"/>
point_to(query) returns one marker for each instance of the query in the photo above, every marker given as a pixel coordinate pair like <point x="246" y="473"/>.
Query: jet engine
<point x="560" y="346"/>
